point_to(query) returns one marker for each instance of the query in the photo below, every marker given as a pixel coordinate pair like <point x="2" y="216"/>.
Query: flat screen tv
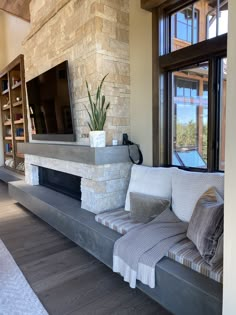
<point x="50" y="105"/>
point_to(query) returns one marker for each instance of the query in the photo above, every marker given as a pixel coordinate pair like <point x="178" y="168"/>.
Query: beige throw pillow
<point x="144" y="208"/>
<point x="206" y="226"/>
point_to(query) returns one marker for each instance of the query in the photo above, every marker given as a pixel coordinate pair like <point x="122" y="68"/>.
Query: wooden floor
<point x="66" y="278"/>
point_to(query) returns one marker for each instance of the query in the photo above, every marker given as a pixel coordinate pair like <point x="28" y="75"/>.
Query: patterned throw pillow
<point x="206" y="226"/>
<point x="144" y="208"/>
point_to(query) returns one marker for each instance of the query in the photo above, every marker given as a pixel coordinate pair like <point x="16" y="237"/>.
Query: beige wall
<point x="141" y="78"/>
<point x="2" y="63"/>
<point x="2" y="41"/>
<point x="229" y="300"/>
<point x="15" y="32"/>
<point x="12" y="32"/>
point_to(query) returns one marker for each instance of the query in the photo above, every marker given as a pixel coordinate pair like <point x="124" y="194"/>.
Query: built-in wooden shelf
<point x="13" y="110"/>
<point x="20" y="138"/>
<point x="8" y="153"/>
<point x="20" y="155"/>
<point x="5" y="106"/>
<point x="5" y="91"/>
<point x="16" y="85"/>
<point x="20" y="121"/>
<point x="7" y="123"/>
<point x="17" y="103"/>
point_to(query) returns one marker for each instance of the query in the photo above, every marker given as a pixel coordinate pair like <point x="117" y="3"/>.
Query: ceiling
<point x="18" y="8"/>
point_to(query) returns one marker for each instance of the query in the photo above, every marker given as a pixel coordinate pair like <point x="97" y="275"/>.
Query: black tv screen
<point x="50" y="105"/>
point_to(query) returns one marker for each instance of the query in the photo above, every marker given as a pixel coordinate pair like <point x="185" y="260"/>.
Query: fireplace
<point x="64" y="183"/>
<point x="97" y="176"/>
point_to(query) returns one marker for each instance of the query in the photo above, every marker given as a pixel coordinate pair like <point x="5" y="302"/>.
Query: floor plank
<point x="67" y="279"/>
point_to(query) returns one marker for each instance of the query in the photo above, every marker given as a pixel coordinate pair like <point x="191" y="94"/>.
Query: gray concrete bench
<point x="179" y="289"/>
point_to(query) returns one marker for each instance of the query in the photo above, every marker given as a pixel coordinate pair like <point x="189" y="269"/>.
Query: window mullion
<point x="212" y="114"/>
<point x="169" y="120"/>
<point x="218" y="112"/>
<point x="192" y="30"/>
<point x="217" y="17"/>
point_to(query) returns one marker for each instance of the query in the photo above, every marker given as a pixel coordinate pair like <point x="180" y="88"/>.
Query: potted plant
<point x="97" y="116"/>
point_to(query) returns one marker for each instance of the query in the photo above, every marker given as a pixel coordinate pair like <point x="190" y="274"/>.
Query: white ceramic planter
<point x="97" y="139"/>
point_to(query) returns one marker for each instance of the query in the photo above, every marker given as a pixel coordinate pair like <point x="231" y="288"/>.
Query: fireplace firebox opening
<point x="64" y="183"/>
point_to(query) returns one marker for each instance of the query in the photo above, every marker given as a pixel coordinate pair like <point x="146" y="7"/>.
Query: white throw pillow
<point x="155" y="181"/>
<point x="187" y="188"/>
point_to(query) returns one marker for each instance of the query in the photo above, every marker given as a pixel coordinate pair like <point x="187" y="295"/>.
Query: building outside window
<point x="186" y="25"/>
<point x="202" y="20"/>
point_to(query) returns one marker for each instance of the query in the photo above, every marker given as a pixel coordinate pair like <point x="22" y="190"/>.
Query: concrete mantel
<point x="77" y="153"/>
<point x="104" y="172"/>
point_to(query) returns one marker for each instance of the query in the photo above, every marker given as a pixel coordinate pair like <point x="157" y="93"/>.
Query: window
<point x="217" y="18"/>
<point x="189" y="123"/>
<point x="199" y="21"/>
<point x="186" y="25"/>
<point x="205" y="90"/>
<point x="185" y="87"/>
<point x="189" y="128"/>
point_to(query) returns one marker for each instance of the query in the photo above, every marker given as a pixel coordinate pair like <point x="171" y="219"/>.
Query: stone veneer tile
<point x="103" y="187"/>
<point x="97" y="204"/>
<point x="94" y="36"/>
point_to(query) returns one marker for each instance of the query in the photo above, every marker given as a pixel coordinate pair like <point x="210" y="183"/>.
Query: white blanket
<point x="136" y="254"/>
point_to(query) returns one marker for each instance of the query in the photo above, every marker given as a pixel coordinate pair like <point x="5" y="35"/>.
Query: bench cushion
<point x="183" y="252"/>
<point x="187" y="254"/>
<point x="117" y="220"/>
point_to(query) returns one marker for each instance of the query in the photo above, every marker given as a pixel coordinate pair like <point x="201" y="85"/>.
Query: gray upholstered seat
<point x="184" y="252"/>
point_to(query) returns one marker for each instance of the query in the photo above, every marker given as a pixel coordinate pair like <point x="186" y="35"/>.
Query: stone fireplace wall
<point x="103" y="187"/>
<point x="93" y="35"/>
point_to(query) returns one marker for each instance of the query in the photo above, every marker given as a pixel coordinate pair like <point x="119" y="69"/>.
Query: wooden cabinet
<point x="14" y="113"/>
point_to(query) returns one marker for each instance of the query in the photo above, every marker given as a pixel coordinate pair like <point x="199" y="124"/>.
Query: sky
<point x="223" y="25"/>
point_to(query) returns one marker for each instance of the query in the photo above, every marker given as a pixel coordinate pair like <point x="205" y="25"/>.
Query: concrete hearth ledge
<point x="176" y="283"/>
<point x="77" y="153"/>
<point x="8" y="176"/>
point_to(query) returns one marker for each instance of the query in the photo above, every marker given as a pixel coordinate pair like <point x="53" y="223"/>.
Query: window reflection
<point x="190" y="117"/>
<point x="186" y="26"/>
<point x="202" y="20"/>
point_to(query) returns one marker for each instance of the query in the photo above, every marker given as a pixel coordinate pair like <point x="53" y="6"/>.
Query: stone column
<point x="93" y="35"/>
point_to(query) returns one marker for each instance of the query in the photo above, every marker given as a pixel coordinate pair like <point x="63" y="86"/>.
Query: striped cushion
<point x="117" y="220"/>
<point x="183" y="252"/>
<point x="187" y="254"/>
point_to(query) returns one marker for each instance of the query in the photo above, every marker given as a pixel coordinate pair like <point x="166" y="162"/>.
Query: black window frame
<point x="165" y="62"/>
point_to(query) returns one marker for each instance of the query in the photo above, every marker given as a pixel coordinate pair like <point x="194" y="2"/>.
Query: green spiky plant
<point x="98" y="108"/>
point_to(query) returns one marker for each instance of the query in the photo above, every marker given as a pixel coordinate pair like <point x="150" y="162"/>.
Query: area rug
<point x="16" y="295"/>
